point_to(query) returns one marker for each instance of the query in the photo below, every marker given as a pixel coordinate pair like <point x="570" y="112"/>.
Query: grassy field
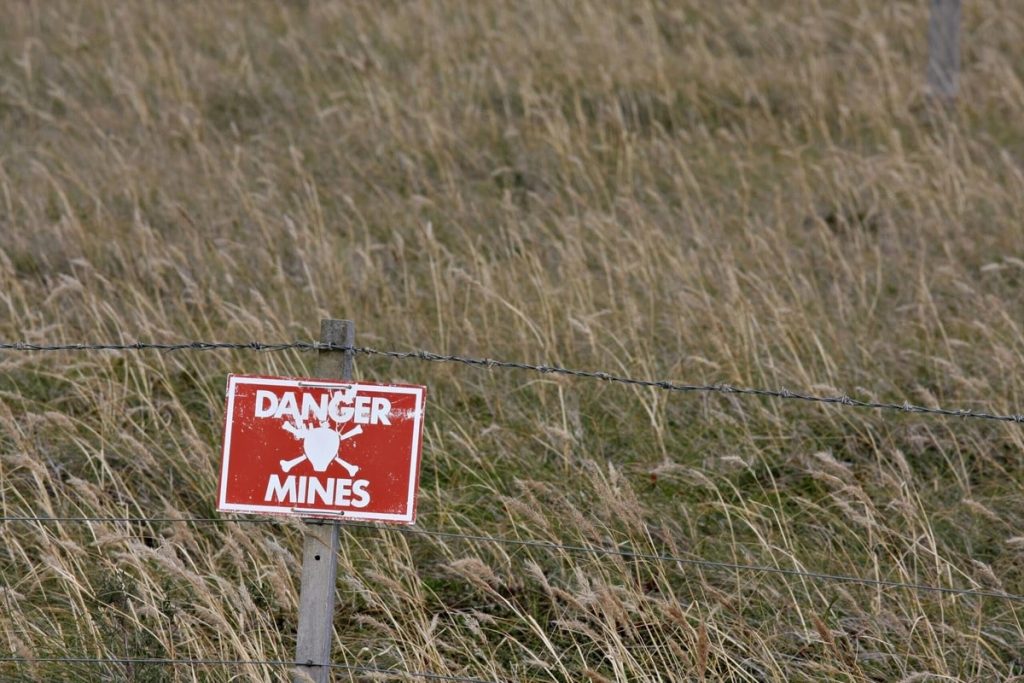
<point x="750" y="192"/>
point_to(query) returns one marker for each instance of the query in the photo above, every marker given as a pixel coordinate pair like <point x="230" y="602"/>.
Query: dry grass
<point x="750" y="192"/>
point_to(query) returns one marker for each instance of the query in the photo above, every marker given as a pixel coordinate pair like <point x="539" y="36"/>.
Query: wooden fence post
<point x="944" y="48"/>
<point x="320" y="548"/>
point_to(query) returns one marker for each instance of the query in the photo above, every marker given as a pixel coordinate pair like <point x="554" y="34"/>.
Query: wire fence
<point x="490" y="363"/>
<point x="551" y="546"/>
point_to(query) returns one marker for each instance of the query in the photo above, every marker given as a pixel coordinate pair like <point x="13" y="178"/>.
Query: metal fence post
<point x="320" y="548"/>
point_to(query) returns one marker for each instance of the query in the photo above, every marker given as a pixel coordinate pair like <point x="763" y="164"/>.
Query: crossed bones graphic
<point x="301" y="431"/>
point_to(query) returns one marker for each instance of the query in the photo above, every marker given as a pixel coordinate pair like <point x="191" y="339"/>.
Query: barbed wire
<point x="181" y="346"/>
<point x="168" y="661"/>
<point x="490" y="363"/>
<point x="142" y="520"/>
<point x="550" y="546"/>
<point x="707" y="564"/>
<point x="841" y="399"/>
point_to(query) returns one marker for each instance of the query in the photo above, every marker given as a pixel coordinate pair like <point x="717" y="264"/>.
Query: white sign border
<point x="410" y="510"/>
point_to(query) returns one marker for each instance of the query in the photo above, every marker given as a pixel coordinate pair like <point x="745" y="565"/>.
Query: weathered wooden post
<point x="320" y="549"/>
<point x="944" y="49"/>
<point x="265" y="470"/>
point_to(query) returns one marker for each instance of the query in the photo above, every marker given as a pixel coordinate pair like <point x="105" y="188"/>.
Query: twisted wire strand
<point x="576" y="549"/>
<point x="167" y="661"/>
<point x="839" y="399"/>
<point x="181" y="346"/>
<point x="490" y="363"/>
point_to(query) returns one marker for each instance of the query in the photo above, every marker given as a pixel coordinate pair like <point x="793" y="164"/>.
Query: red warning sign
<point x="322" y="448"/>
